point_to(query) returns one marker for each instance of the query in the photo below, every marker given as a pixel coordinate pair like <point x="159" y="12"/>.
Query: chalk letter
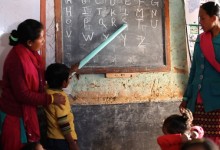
<point x="112" y="3"/>
<point x="68" y="12"/>
<point x="139" y="2"/>
<point x="124" y="20"/>
<point x="68" y="33"/>
<point x="154" y="3"/>
<point x="85" y="1"/>
<point x="124" y="38"/>
<point x="101" y="22"/>
<point x="99" y="2"/>
<point x="141" y="44"/>
<point x="99" y="10"/>
<point x="68" y="21"/>
<point x="89" y="37"/>
<point x="139" y="22"/>
<point x="113" y="22"/>
<point x="106" y="36"/>
<point x="86" y="10"/>
<point x="125" y="13"/>
<point x="127" y="2"/>
<point x="86" y="21"/>
<point x="141" y="13"/>
<point x="153" y="13"/>
<point x="152" y="24"/>
<point x="112" y="12"/>
<point x="70" y="1"/>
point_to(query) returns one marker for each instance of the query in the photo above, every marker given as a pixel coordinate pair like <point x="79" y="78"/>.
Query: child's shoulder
<point x="54" y="91"/>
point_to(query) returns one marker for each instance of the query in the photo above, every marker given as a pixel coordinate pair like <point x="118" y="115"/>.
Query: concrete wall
<point x="11" y="14"/>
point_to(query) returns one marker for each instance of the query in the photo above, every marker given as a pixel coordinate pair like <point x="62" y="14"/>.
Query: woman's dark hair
<point x="211" y="8"/>
<point x="28" y="30"/>
<point x="204" y="143"/>
<point x="178" y="123"/>
<point x="56" y="73"/>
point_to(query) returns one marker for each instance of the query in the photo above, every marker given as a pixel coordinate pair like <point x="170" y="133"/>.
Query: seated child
<point x="176" y="129"/>
<point x="199" y="144"/>
<point x="60" y="131"/>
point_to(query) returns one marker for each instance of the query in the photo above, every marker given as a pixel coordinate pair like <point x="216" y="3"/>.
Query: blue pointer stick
<point x="100" y="47"/>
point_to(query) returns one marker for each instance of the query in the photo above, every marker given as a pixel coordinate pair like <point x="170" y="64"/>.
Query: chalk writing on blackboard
<point x="141" y="46"/>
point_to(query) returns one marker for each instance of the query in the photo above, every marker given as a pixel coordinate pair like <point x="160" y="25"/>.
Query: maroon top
<point x="15" y="89"/>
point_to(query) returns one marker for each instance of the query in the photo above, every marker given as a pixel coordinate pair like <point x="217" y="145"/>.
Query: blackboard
<point x="133" y="126"/>
<point x="83" y="25"/>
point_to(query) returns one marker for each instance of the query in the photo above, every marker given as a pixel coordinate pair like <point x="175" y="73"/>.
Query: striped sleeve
<point x="64" y="124"/>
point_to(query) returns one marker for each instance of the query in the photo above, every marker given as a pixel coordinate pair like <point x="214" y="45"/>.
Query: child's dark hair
<point x="30" y="146"/>
<point x="29" y="29"/>
<point x="175" y="124"/>
<point x="211" y="9"/>
<point x="56" y="73"/>
<point x="206" y="144"/>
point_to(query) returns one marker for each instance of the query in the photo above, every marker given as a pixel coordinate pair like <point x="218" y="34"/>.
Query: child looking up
<point x="60" y="131"/>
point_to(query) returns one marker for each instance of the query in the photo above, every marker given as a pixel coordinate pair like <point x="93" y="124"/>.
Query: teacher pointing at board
<point x="23" y="87"/>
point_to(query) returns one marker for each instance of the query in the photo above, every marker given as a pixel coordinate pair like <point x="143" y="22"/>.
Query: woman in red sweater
<point x="23" y="87"/>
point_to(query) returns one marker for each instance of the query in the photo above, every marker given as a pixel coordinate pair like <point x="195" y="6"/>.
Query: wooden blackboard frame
<point x="59" y="47"/>
<point x="43" y="20"/>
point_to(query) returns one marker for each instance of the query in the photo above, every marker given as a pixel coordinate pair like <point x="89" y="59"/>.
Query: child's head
<point x="57" y="76"/>
<point x="176" y="124"/>
<point x="33" y="146"/>
<point x="199" y="144"/>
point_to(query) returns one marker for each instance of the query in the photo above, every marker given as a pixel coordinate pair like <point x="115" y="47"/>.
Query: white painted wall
<point x="12" y="12"/>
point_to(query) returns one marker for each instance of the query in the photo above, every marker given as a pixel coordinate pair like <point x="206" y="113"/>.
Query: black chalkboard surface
<point x="132" y="126"/>
<point x="85" y="24"/>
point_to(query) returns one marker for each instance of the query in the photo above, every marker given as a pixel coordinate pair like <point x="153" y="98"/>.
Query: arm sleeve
<point x="62" y="119"/>
<point x="20" y="89"/>
<point x="191" y="74"/>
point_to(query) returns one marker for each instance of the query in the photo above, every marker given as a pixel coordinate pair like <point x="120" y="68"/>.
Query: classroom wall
<point x="11" y="14"/>
<point x="127" y="113"/>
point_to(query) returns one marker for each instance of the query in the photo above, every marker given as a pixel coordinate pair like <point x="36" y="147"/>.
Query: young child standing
<point x="177" y="130"/>
<point x="60" y="131"/>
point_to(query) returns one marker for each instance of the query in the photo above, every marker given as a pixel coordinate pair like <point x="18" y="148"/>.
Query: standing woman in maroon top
<point x="23" y="87"/>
